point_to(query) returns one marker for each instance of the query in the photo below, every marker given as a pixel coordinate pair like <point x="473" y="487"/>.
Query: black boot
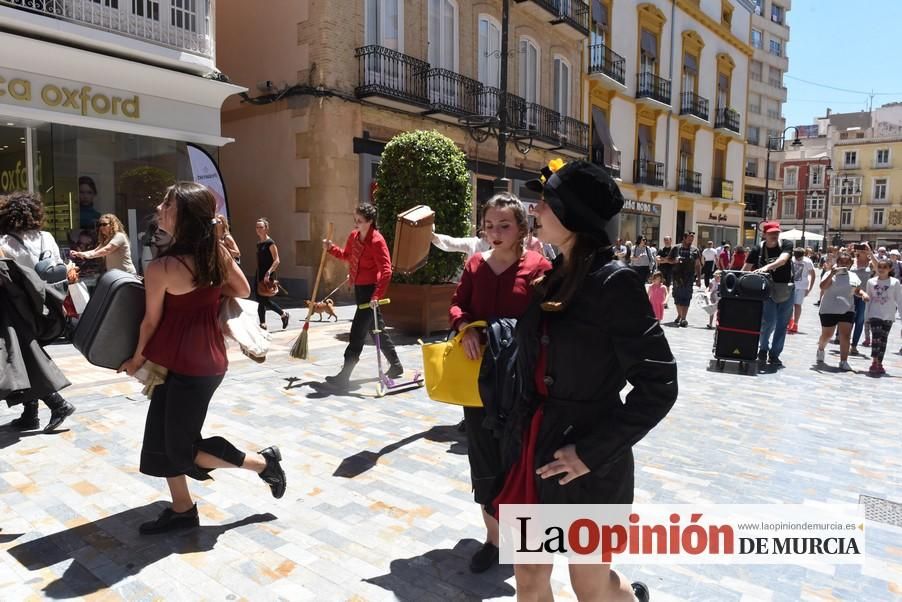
<point x="60" y="409"/>
<point x="342" y="380"/>
<point x="395" y="369"/>
<point x="28" y="421"/>
<point x="273" y="475"/>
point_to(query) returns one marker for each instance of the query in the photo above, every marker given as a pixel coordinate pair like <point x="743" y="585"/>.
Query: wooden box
<point x="413" y="236"/>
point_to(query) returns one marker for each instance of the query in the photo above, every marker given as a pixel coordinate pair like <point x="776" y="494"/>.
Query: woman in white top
<point x="837" y="312"/>
<point x="21" y="239"/>
<point x="642" y="258"/>
<point x="112" y="245"/>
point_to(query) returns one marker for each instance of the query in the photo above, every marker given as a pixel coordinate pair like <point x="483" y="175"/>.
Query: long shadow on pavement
<point x="108" y="550"/>
<point x="354" y="466"/>
<point x="440" y="575"/>
<point x="10" y="435"/>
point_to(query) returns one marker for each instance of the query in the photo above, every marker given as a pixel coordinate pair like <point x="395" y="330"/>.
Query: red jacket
<point x="369" y="260"/>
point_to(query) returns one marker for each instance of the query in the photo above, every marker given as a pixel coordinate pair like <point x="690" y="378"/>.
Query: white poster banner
<point x="205" y="171"/>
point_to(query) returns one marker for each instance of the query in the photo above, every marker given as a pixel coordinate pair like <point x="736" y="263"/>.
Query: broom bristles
<point x="299" y="349"/>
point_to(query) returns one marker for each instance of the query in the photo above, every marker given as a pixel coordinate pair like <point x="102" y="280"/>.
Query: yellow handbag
<point x="452" y="377"/>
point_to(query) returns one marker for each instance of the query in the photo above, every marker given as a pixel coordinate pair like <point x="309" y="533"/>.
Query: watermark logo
<point x="683" y="534"/>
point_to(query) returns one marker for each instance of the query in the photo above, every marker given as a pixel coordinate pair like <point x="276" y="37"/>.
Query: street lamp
<point x="782" y="138"/>
<point x="810" y="194"/>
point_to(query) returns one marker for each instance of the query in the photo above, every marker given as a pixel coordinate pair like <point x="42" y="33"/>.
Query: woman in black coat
<point x="589" y="331"/>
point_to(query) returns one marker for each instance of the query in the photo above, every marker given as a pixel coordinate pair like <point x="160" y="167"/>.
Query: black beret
<point x="584" y="197"/>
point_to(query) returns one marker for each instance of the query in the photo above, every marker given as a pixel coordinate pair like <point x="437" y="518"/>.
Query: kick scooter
<point x="385" y="383"/>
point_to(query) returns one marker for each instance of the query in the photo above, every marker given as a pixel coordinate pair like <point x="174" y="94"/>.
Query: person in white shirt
<point x="803" y="278"/>
<point x="884" y="300"/>
<point x="470" y="245"/>
<point x="837" y="311"/>
<point x="709" y="259"/>
<point x="23" y="241"/>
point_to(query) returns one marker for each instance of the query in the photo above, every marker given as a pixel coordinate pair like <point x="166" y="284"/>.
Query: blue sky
<point x="855" y="45"/>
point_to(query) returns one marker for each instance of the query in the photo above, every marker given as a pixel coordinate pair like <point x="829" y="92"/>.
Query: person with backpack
<point x="23" y="241"/>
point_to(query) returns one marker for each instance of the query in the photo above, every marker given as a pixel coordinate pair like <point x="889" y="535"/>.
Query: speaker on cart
<point x="745" y="285"/>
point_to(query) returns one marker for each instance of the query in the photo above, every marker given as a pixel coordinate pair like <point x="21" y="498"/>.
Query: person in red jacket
<point x="370" y="272"/>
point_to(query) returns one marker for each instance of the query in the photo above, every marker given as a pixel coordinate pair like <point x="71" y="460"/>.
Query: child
<point x="714" y="296"/>
<point x="657" y="294"/>
<point x="885" y="298"/>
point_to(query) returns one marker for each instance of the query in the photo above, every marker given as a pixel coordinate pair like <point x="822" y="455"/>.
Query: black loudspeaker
<point x="738" y="329"/>
<point x="745" y="285"/>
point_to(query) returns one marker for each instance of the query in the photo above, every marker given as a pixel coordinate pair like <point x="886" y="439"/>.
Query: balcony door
<point x="529" y="79"/>
<point x="443" y="50"/>
<point x="384" y="27"/>
<point x="489" y="63"/>
<point x="561" y="86"/>
<point x="599" y="33"/>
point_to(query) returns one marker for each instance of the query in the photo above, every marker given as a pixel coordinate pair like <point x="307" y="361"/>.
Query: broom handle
<point x="319" y="272"/>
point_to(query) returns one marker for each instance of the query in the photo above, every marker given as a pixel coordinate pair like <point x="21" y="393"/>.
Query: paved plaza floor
<point x="378" y="505"/>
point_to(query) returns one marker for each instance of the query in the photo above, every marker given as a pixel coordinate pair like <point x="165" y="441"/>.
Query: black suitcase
<point x="107" y="332"/>
<point x="738" y="330"/>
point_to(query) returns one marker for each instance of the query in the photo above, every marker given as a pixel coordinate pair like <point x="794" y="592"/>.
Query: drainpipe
<point x="667" y="136"/>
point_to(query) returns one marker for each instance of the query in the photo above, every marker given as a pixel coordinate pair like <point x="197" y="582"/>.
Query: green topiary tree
<point x="425" y="168"/>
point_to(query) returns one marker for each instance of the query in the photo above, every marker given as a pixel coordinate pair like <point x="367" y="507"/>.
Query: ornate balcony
<point x="545" y="125"/>
<point x="572" y="14"/>
<point x="574" y="137"/>
<point x="451" y="95"/>
<point x="390" y="78"/>
<point x="722" y="189"/>
<point x="162" y="22"/>
<point x="726" y="119"/>
<point x="649" y="172"/>
<point x="608" y="159"/>
<point x="605" y="62"/>
<point x="693" y="105"/>
<point x="690" y="181"/>
<point x="650" y="86"/>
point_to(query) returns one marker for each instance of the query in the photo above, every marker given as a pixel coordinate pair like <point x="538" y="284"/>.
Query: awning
<point x="602" y="136"/>
<point x="649" y="44"/>
<point x="599" y="13"/>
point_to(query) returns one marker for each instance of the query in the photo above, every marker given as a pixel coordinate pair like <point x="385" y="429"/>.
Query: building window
<point x="383" y="22"/>
<point x="443" y="34"/>
<point x="561" y="86"/>
<point x="773" y="108"/>
<point x="756" y="70"/>
<point x="816" y="175"/>
<point x="753" y="135"/>
<point x="648" y="52"/>
<point x="751" y="168"/>
<point x="847" y="190"/>
<point x="776" y="13"/>
<point x="790" y="177"/>
<point x="846" y="218"/>
<point x="789" y="206"/>
<point x="759" y="7"/>
<point x="529" y="77"/>
<point x="776" y="47"/>
<point x="851" y="159"/>
<point x="489" y="59"/>
<point x="149" y="9"/>
<point x="757" y="38"/>
<point x="880" y="185"/>
<point x="108" y="3"/>
<point x="184" y="14"/>
<point x="877" y="217"/>
<point x="883" y="157"/>
<point x="775" y="77"/>
<point x="755" y="104"/>
<point x="814" y="207"/>
<point x="775" y="140"/>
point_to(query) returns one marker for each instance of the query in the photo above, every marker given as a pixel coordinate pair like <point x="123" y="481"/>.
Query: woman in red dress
<point x="494" y="284"/>
<point x="181" y="332"/>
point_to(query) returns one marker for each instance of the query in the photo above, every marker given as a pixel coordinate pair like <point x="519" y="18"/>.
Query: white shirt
<point x="29" y="253"/>
<point x="800" y="271"/>
<point x="471" y="245"/>
<point x="838" y="298"/>
<point x="885" y="298"/>
<point x="709" y="254"/>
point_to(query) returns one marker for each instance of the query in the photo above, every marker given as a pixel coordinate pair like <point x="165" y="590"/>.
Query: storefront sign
<point x="84" y="100"/>
<point x="717" y="217"/>
<point x="641" y="207"/>
<point x="726" y="189"/>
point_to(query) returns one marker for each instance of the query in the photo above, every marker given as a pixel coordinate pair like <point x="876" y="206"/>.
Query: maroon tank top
<point x="189" y="340"/>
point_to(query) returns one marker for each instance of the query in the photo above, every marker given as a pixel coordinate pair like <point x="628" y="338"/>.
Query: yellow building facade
<point x="866" y="191"/>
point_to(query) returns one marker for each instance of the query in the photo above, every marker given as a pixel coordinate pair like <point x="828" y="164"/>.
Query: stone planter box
<point x="418" y="309"/>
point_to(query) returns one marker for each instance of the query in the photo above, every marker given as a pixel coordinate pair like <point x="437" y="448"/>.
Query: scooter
<point x="385" y="383"/>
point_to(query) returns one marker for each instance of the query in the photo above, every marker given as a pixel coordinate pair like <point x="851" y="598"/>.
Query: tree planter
<point x="418" y="309"/>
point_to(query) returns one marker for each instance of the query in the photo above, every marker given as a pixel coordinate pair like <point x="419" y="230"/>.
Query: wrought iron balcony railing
<point x="452" y="93"/>
<point x="574" y="134"/>
<point x="693" y="104"/>
<point x="649" y="172"/>
<point x="386" y="72"/>
<point x="609" y="159"/>
<point x="171" y="23"/>
<point x="690" y="181"/>
<point x="545" y="123"/>
<point x="649" y="85"/>
<point x="726" y="118"/>
<point x="607" y="62"/>
<point x="573" y="12"/>
<point x="488" y="102"/>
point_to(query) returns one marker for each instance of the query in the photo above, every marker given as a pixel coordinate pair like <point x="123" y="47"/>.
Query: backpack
<point x="498" y="382"/>
<point x="50" y="269"/>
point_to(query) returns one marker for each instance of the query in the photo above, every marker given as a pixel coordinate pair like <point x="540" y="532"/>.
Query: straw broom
<point x="299" y="349"/>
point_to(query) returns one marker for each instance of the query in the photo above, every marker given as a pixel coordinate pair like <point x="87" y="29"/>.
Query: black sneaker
<point x="762" y="357"/>
<point x="170" y="520"/>
<point x="58" y="415"/>
<point x="273" y="475"/>
<point x="775" y="362"/>
<point x="640" y="590"/>
<point x="485" y="558"/>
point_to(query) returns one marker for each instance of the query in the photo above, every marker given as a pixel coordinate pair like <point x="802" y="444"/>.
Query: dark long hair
<point x="21" y="211"/>
<point x="195" y="232"/>
<point x="557" y="290"/>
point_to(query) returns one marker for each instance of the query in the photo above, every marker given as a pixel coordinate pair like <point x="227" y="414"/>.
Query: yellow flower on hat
<point x="556" y="164"/>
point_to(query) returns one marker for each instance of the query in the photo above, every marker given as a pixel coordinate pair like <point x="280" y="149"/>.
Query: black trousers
<point x="172" y="436"/>
<point x="708" y="272"/>
<point x="264" y="303"/>
<point x="484" y="455"/>
<point x="362" y="325"/>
